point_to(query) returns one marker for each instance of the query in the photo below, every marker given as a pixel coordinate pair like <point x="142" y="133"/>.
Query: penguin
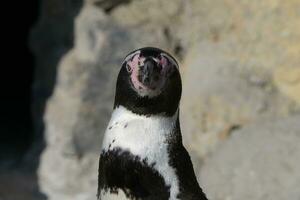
<point x="142" y="155"/>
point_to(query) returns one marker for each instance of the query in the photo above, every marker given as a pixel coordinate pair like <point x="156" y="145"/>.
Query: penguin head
<point x="149" y="79"/>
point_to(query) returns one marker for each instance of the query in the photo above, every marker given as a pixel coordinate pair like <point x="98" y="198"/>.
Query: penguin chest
<point x="140" y="139"/>
<point x="142" y="136"/>
<point x="135" y="155"/>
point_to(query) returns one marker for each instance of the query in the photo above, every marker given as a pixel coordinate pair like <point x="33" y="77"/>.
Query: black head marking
<point x="152" y="85"/>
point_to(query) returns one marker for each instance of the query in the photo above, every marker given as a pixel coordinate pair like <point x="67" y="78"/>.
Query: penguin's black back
<point x="181" y="162"/>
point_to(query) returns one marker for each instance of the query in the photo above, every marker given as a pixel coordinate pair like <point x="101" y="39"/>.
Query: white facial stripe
<point x="134" y="65"/>
<point x="130" y="56"/>
<point x="170" y="59"/>
<point x="145" y="137"/>
<point x="155" y="59"/>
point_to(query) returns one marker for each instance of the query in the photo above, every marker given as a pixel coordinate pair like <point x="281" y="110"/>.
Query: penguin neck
<point x="120" y="109"/>
<point x="146" y="106"/>
<point x="122" y="113"/>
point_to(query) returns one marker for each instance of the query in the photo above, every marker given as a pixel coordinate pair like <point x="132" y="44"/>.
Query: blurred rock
<point x="77" y="112"/>
<point x="19" y="185"/>
<point x="240" y="65"/>
<point x="220" y="96"/>
<point x="80" y="107"/>
<point x="287" y="80"/>
<point x="260" y="161"/>
<point x="51" y="37"/>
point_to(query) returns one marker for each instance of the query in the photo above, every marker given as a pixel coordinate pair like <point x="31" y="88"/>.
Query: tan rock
<point x="259" y="161"/>
<point x="219" y="96"/>
<point x="287" y="79"/>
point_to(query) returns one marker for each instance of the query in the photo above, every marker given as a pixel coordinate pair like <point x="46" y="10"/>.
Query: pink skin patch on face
<point x="133" y="66"/>
<point x="166" y="65"/>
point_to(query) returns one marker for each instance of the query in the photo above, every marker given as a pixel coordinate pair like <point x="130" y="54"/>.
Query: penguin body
<point x="142" y="155"/>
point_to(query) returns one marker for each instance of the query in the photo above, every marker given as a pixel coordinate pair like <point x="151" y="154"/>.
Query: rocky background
<point x="240" y="109"/>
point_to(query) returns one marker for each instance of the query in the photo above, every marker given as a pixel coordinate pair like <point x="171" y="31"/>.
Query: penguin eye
<point x="128" y="68"/>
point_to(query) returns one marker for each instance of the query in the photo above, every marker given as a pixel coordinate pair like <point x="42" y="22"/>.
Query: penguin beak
<point x="149" y="73"/>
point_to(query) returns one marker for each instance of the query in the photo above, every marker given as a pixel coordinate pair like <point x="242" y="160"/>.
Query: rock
<point x="287" y="80"/>
<point x="239" y="66"/>
<point x="260" y="161"/>
<point x="220" y="96"/>
<point x="77" y="113"/>
<point x="79" y="109"/>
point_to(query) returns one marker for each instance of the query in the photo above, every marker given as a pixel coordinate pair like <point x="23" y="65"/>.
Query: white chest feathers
<point x="145" y="137"/>
<point x="119" y="195"/>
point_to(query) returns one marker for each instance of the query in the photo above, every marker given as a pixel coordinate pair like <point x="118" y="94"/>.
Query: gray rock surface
<point x="219" y="96"/>
<point x="260" y="161"/>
